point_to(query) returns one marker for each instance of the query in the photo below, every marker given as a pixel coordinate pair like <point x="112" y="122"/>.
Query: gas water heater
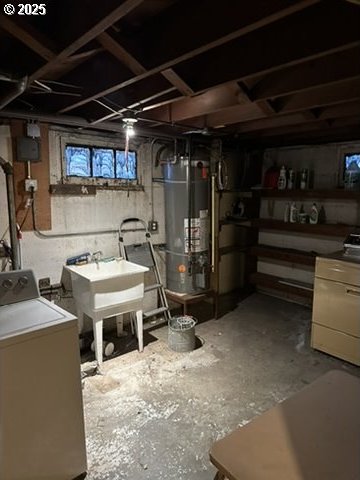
<point x="187" y="222"/>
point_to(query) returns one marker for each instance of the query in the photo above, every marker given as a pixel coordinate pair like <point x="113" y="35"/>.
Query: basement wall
<point x="103" y="211"/>
<point x="326" y="163"/>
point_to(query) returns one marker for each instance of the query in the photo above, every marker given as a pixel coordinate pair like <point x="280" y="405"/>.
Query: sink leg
<point x="80" y="316"/>
<point x="139" y="328"/>
<point x="120" y="326"/>
<point x="98" y="340"/>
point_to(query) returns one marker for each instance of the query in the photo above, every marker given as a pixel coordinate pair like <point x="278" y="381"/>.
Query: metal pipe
<point x="8" y="170"/>
<point x="15" y="92"/>
<point x="213" y="193"/>
<point x="62" y="235"/>
<point x="72" y="121"/>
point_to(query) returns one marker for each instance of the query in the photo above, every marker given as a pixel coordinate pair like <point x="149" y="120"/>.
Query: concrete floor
<point x="154" y="415"/>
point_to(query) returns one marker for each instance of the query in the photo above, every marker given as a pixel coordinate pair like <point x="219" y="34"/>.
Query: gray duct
<point x="8" y="170"/>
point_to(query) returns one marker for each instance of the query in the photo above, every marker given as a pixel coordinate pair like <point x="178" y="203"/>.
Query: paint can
<point x="181" y="334"/>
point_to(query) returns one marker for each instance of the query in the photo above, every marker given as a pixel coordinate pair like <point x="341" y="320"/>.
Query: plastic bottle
<point x="314" y="214"/>
<point x="291" y="179"/>
<point x="293" y="213"/>
<point x="287" y="212"/>
<point x="304" y="179"/>
<point x="282" y="178"/>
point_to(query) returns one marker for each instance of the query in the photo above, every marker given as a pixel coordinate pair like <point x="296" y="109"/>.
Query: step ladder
<point x="144" y="254"/>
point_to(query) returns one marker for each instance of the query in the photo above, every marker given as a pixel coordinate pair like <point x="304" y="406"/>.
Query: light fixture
<point x="129" y="121"/>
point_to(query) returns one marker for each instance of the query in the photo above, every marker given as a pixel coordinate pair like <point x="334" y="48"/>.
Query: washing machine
<point x="41" y="409"/>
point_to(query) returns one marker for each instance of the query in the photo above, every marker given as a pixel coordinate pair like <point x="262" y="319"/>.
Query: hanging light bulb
<point x="130" y="131"/>
<point x="129" y="121"/>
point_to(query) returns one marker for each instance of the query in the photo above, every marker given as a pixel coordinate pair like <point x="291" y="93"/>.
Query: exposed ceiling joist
<point x="113" y="47"/>
<point x="98" y="28"/>
<point x="319" y="97"/>
<point x="338" y="111"/>
<point x="28" y="37"/>
<point x="269" y="53"/>
<point x="211" y="101"/>
<point x="234" y="114"/>
<point x="298" y="130"/>
<point x="177" y="81"/>
<point x="323" y="71"/>
<point x="273" y="17"/>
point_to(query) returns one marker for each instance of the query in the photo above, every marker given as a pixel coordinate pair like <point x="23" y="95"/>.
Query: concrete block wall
<point x="325" y="161"/>
<point x="104" y="211"/>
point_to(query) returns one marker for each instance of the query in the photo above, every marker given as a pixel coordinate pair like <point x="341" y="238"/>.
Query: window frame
<point x="71" y="141"/>
<point x="342" y="151"/>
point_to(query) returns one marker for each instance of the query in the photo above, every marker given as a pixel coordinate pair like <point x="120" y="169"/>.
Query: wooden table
<point x="314" y="435"/>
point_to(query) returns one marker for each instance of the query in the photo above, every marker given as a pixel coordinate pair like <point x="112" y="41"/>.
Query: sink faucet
<point x="96" y="256"/>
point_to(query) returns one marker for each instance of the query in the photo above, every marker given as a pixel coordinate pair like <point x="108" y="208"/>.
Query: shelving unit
<point x="336" y="194"/>
<point x="284" y="254"/>
<point x="282" y="285"/>
<point x="240" y="244"/>
<point x="328" y="230"/>
<point x="292" y="256"/>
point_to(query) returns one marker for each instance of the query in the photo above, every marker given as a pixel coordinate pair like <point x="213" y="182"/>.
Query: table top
<point x="313" y="435"/>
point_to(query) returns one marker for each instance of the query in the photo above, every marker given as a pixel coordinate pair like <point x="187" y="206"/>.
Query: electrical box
<point x="27" y="149"/>
<point x="153" y="226"/>
<point x="31" y="185"/>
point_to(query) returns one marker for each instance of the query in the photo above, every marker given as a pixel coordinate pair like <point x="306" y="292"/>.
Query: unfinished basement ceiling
<point x="260" y="70"/>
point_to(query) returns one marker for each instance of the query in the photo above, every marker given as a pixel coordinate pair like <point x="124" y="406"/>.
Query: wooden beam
<point x="113" y="47"/>
<point x="270" y="122"/>
<point x="31" y="39"/>
<point x="80" y="57"/>
<point x="334" y="134"/>
<point x="178" y="82"/>
<point x="234" y="114"/>
<point x="211" y="101"/>
<point x="271" y="18"/>
<point x="298" y="118"/>
<point x="321" y="96"/>
<point x="304" y="129"/>
<point x="119" y="52"/>
<point x="342" y="110"/>
<point x="327" y="70"/>
<point x="264" y="105"/>
<point x="275" y="47"/>
<point x="95" y="31"/>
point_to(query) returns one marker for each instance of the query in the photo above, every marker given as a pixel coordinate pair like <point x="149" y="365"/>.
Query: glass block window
<point x="103" y="162"/>
<point x="125" y="167"/>
<point x="100" y="162"/>
<point x="78" y="161"/>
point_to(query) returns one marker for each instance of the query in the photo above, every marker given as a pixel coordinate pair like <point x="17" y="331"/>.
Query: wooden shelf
<point x="275" y="283"/>
<point x="285" y="254"/>
<point x="311" y="194"/>
<point x="239" y="193"/>
<point x="328" y="230"/>
<point x="240" y="222"/>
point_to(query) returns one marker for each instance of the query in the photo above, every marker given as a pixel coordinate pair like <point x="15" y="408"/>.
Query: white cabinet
<point x="336" y="310"/>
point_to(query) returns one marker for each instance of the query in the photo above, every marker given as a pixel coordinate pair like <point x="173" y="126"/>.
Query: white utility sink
<point x="107" y="288"/>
